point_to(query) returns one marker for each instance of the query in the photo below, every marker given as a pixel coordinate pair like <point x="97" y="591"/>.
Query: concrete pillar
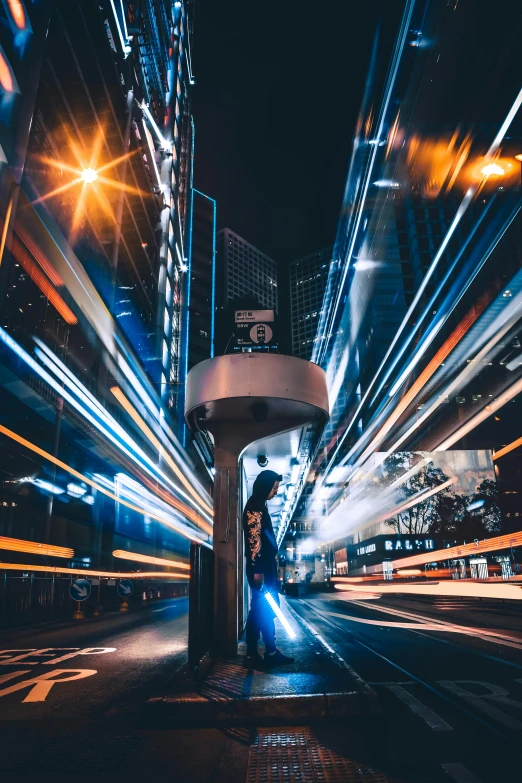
<point x="226" y="547"/>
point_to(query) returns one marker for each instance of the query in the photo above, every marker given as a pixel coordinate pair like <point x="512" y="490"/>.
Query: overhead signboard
<point x="254" y="316"/>
<point x="254" y="328"/>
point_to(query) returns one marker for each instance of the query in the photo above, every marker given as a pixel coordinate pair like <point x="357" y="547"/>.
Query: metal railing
<point x="201" y="605"/>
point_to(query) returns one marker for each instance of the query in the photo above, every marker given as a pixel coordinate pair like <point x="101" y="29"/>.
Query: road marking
<point x="85" y="651"/>
<point x="406" y="682"/>
<point x="49" y="652"/>
<point x="163" y="608"/>
<point x="30" y="653"/>
<point x="430" y="717"/>
<point x="481" y="702"/>
<point x="42" y="684"/>
<point x="11" y="675"/>
<point x="9" y="658"/>
<point x="459" y="773"/>
<point x="322" y="641"/>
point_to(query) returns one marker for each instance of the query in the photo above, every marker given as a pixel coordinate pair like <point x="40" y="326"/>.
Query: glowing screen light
<point x="278" y="613"/>
<point x="89" y="175"/>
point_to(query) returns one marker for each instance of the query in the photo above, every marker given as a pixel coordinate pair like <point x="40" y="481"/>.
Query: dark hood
<point x="264" y="483"/>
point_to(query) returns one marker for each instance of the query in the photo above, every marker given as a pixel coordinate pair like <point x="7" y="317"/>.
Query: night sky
<point x="278" y="91"/>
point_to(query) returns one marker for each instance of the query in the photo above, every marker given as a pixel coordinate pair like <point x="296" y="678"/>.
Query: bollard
<point x="124" y="606"/>
<point x="78" y="614"/>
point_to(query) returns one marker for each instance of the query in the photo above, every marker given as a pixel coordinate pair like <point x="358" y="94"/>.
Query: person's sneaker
<point x="253" y="662"/>
<point x="277" y="659"/>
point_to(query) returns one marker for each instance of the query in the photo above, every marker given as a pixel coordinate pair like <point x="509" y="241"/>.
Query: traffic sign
<point x="261" y="334"/>
<point x="80" y="589"/>
<point x="125" y="588"/>
<point x="254" y="328"/>
<point x="253" y="316"/>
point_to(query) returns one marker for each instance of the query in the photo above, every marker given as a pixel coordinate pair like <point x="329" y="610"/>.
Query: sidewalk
<point x="319" y="686"/>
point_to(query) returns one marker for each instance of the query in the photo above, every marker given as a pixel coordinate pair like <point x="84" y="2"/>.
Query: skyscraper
<point x="202" y="278"/>
<point x="114" y="94"/>
<point x="244" y="270"/>
<point x="94" y="196"/>
<point x="308" y="278"/>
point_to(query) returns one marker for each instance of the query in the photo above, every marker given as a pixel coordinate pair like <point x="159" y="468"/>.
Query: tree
<point x="422" y="517"/>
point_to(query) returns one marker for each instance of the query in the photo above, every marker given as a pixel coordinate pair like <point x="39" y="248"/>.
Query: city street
<point x="115" y="663"/>
<point x="260" y="392"/>
<point x="448" y="676"/>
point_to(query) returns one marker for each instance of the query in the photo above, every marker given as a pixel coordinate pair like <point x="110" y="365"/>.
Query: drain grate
<point x="297" y="756"/>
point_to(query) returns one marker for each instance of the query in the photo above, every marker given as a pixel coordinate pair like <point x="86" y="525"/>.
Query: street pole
<point x="226" y="546"/>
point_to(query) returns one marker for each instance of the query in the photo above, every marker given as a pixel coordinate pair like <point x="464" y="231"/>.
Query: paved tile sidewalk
<point x="318" y="685"/>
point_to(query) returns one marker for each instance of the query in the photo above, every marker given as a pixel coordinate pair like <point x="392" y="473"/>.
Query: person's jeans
<point x="261" y="620"/>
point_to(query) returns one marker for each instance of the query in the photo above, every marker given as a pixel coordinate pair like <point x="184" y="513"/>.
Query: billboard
<point x="445" y="495"/>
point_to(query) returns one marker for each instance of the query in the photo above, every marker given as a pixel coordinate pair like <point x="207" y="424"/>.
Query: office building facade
<point x="202" y="278"/>
<point x="94" y="257"/>
<point x="114" y="94"/>
<point x="308" y="279"/>
<point x="243" y="270"/>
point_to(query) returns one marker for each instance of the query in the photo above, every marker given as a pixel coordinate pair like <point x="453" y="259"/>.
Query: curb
<point x="194" y="708"/>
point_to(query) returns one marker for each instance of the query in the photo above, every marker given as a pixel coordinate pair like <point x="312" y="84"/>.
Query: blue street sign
<point x="80" y="589"/>
<point x="125" y="588"/>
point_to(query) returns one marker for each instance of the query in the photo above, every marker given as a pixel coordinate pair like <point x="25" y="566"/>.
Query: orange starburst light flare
<point x="89" y="175"/>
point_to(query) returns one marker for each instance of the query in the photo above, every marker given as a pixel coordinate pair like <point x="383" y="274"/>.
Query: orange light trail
<point x="5" y="227"/>
<point x="35" y="250"/>
<point x="37" y="450"/>
<point x="88" y="572"/>
<point x="18" y="13"/>
<point x="506" y="449"/>
<point x="133" y="413"/>
<point x="23" y="258"/>
<point x="6" y="79"/>
<point x="455" y="552"/>
<point x="430" y="369"/>
<point x="32" y="547"/>
<point x="138" y="558"/>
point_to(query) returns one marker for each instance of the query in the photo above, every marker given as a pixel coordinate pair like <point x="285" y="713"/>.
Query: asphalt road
<point x="448" y="674"/>
<point x="94" y="668"/>
<point x="449" y="677"/>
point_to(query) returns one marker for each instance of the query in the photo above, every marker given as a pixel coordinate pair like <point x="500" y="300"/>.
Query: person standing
<point x="261" y="569"/>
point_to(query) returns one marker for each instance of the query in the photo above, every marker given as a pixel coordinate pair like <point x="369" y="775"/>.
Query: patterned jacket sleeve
<point x="253" y="536"/>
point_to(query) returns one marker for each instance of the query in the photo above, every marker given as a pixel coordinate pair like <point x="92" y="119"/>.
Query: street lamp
<point x="492" y="170"/>
<point x="89" y="175"/>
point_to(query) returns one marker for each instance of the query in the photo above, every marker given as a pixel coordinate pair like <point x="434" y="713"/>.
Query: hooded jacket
<point x="260" y="541"/>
